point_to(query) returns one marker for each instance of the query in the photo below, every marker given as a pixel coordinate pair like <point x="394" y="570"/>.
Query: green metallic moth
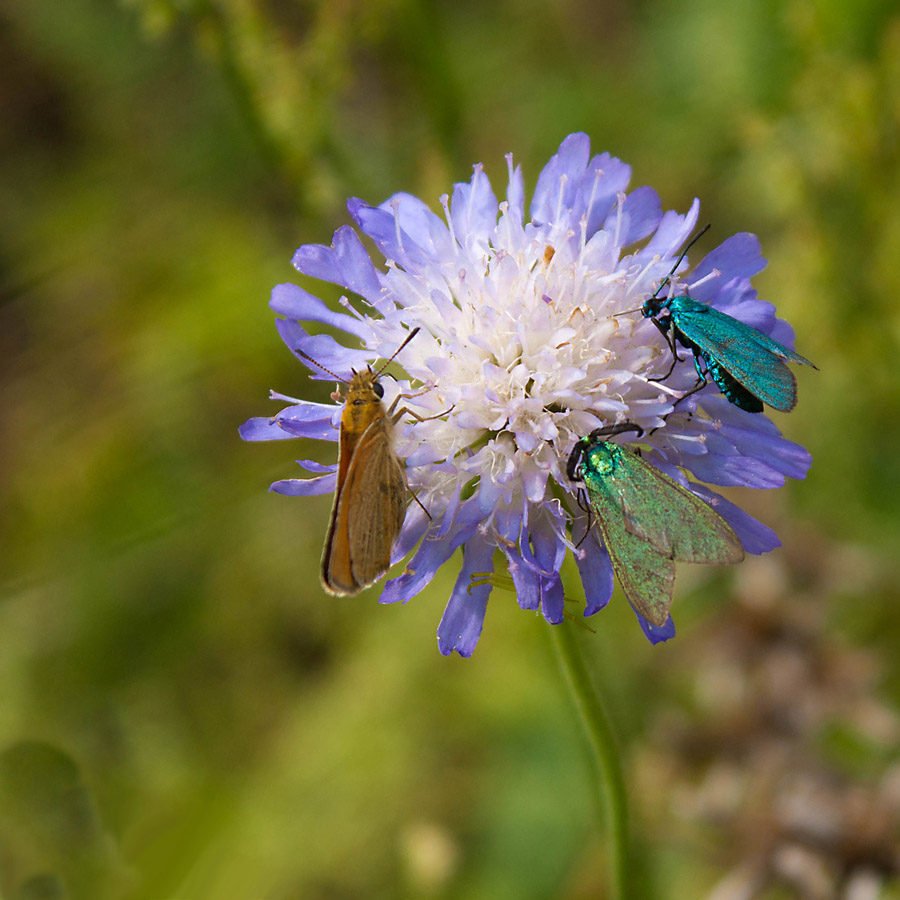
<point x="648" y="521"/>
<point x="749" y="367"/>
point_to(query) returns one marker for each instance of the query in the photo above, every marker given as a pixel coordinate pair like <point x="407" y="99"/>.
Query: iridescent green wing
<point x="753" y="359"/>
<point x="648" y="521"/>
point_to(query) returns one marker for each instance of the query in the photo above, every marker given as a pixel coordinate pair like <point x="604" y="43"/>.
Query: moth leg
<point x="585" y="507"/>
<point x="668" y="333"/>
<point x="701" y="383"/>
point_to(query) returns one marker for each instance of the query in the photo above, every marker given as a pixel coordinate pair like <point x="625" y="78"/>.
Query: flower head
<point x="522" y="350"/>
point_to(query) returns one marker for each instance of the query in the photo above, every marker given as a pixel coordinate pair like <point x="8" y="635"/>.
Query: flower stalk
<point x="604" y="752"/>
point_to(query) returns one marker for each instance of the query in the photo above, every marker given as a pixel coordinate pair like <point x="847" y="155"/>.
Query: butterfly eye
<point x="377" y="389"/>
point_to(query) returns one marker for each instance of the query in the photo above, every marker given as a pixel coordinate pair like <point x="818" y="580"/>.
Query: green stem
<point x="604" y="752"/>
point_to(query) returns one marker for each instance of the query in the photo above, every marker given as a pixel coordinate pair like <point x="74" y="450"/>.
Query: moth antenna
<point x="684" y="253"/>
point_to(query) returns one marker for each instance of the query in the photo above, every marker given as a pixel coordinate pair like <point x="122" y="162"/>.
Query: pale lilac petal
<point x="346" y="263"/>
<point x="414" y="527"/>
<point x="296" y="303"/>
<point x="428" y="230"/>
<point x="558" y="182"/>
<point x="515" y="194"/>
<point x="597" y="195"/>
<point x="473" y="210"/>
<point x="671" y="233"/>
<point x="381" y="225"/>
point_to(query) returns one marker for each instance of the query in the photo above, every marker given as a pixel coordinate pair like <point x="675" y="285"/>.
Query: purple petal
<point x="305" y="487"/>
<point x="756" y="537"/>
<point x="428" y="230"/>
<point x="656" y="633"/>
<point x="549" y="549"/>
<point x="381" y="225"/>
<point x="414" y="527"/>
<point x="525" y="580"/>
<point x="463" y="618"/>
<point x="263" y="428"/>
<point x="553" y="599"/>
<point x="430" y="556"/>
<point x="596" y="571"/>
<point x="310" y="420"/>
<point x="734" y="470"/>
<point x="323" y="348"/>
<point x="671" y="233"/>
<point x="737" y="257"/>
<point x="766" y="459"/>
<point x="737" y="298"/>
<point x="316" y="468"/>
<point x="346" y="262"/>
<point x="508" y="524"/>
<point x="295" y="303"/>
<point x="641" y="214"/>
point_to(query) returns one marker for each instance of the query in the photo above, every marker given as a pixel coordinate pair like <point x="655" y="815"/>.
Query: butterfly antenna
<point x="328" y="371"/>
<point x="406" y="340"/>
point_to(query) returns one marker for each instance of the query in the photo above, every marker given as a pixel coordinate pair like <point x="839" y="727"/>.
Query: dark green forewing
<point x="751" y="358"/>
<point x="649" y="521"/>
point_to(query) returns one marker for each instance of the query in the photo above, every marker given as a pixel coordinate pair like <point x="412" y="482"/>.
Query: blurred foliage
<point x="175" y="687"/>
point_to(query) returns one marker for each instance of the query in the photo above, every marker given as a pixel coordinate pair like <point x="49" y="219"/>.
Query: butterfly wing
<point x="368" y="514"/>
<point x="649" y="521"/>
<point x="753" y="359"/>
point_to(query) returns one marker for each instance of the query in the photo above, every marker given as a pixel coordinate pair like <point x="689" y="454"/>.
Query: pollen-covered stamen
<point x="563" y="181"/>
<point x="636" y="285"/>
<point x="344" y="301"/>
<point x="444" y="200"/>
<point x="398" y="231"/>
<point x="686" y="437"/>
<point x="710" y="277"/>
<point x="620" y="204"/>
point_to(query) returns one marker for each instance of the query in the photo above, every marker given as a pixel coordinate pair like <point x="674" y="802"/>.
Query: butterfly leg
<point x="397" y="415"/>
<point x="421" y="505"/>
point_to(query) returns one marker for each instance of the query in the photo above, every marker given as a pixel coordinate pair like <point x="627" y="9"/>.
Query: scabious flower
<point x="522" y="351"/>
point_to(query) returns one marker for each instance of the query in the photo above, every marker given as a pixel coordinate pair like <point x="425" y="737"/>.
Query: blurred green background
<point x="184" y="714"/>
